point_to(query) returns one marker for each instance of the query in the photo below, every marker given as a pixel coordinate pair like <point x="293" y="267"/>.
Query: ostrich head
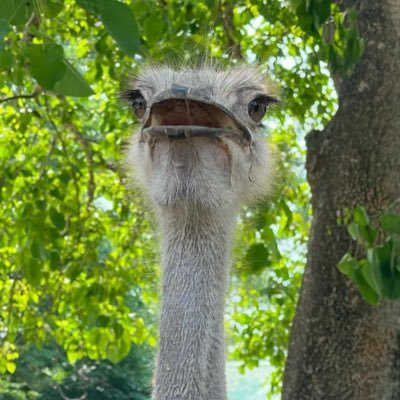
<point x="199" y="154"/>
<point x="200" y="141"/>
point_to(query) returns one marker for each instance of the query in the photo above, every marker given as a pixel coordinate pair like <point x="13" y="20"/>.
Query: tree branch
<point x="229" y="27"/>
<point x="65" y="397"/>
<point x="65" y="152"/>
<point x="19" y="96"/>
<point x="85" y="142"/>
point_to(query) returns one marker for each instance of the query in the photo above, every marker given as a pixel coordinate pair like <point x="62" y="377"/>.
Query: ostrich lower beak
<point x="182" y="112"/>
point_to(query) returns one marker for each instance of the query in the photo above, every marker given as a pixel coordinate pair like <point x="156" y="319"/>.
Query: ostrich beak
<point x="181" y="112"/>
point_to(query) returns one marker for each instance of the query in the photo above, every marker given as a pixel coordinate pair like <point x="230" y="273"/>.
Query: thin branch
<point x="85" y="142"/>
<point x="10" y="304"/>
<point x="229" y="27"/>
<point x="112" y="166"/>
<point x="34" y="95"/>
<point x="46" y="162"/>
<point x="65" y="397"/>
<point x="33" y="21"/>
<point x="81" y="136"/>
<point x="19" y="96"/>
<point x="65" y="152"/>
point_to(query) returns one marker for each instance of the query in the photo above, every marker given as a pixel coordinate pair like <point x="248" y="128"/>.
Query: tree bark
<point x="342" y="348"/>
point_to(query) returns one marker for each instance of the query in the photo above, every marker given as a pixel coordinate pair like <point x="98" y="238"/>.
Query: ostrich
<point x="199" y="155"/>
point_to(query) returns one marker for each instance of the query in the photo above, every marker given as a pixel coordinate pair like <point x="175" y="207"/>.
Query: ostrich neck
<point x="190" y="364"/>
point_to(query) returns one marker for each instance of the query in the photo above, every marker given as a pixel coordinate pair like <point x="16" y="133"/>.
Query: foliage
<point x="74" y="248"/>
<point x="377" y="275"/>
<point x="45" y="374"/>
<point x="77" y="252"/>
<point x="341" y="44"/>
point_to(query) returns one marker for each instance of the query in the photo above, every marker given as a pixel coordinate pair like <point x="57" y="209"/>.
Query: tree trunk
<point x="342" y="348"/>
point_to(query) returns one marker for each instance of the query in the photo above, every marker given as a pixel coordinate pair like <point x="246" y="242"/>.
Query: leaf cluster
<point x="45" y="374"/>
<point x="377" y="275"/>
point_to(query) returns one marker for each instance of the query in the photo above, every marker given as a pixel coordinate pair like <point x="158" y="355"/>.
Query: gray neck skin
<point x="190" y="363"/>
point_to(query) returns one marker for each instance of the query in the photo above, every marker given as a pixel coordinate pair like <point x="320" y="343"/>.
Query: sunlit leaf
<point x="360" y="216"/>
<point x="11" y="367"/>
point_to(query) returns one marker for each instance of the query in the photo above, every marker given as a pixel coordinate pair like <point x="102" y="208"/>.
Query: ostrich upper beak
<point x="181" y="112"/>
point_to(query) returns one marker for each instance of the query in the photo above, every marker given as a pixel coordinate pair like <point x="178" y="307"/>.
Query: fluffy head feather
<point x="208" y="170"/>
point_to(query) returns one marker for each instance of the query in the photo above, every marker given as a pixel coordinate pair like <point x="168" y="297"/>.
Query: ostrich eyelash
<point x="128" y="95"/>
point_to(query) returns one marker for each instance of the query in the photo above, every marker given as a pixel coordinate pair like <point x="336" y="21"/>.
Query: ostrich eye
<point x="137" y="102"/>
<point x="258" y="107"/>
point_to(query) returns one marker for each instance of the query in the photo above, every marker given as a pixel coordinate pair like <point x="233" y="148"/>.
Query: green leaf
<point x="153" y="28"/>
<point x="124" y="346"/>
<point x="51" y="8"/>
<point x="354" y="49"/>
<point x="46" y="63"/>
<point x="312" y="14"/>
<point x="354" y="231"/>
<point x="16" y="12"/>
<point x="359" y="47"/>
<point x="37" y="249"/>
<point x="347" y="265"/>
<point x="368" y="234"/>
<point x="118" y="20"/>
<point x="57" y="219"/>
<point x="32" y="272"/>
<point x="390" y="223"/>
<point x="360" y="272"/>
<point x="6" y="59"/>
<point x="120" y="23"/>
<point x="103" y="320"/>
<point x="54" y="260"/>
<point x="365" y="289"/>
<point x="73" y="355"/>
<point x="72" y="83"/>
<point x="119" y="350"/>
<point x="257" y="257"/>
<point x="11" y="367"/>
<point x="93" y="6"/>
<point x="390" y="275"/>
<point x="73" y="270"/>
<point x="322" y="10"/>
<point x="118" y="330"/>
<point x="372" y="272"/>
<point x="364" y="233"/>
<point x="4" y="29"/>
<point x="360" y="216"/>
<point x="288" y="213"/>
